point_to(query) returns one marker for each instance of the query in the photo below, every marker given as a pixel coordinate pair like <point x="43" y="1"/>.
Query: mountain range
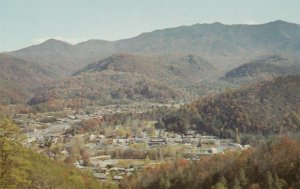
<point x="217" y="42"/>
<point x="193" y="59"/>
<point x="130" y="77"/>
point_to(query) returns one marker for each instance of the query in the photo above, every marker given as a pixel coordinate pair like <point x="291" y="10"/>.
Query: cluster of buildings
<point x="104" y="167"/>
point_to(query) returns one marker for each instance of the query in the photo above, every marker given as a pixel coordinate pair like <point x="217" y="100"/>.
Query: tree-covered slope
<point x="19" y="77"/>
<point x="129" y="77"/>
<point x="273" y="165"/>
<point x="263" y="68"/>
<point x="23" y="169"/>
<point x="267" y="107"/>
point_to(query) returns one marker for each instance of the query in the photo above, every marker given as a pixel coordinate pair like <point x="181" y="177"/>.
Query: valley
<point x="91" y="140"/>
<point x="202" y="106"/>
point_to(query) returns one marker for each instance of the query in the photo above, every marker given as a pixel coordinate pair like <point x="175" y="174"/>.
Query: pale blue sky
<point x="27" y="22"/>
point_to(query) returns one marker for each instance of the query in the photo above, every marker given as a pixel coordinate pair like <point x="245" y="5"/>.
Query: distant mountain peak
<point x="55" y="42"/>
<point x="92" y="42"/>
<point x="279" y="22"/>
<point x="49" y="46"/>
<point x="217" y="23"/>
<point x="52" y="40"/>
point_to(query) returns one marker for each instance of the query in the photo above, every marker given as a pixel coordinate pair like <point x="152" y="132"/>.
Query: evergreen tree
<point x="270" y="180"/>
<point x="13" y="167"/>
<point x="242" y="178"/>
<point x="277" y="184"/>
<point x="223" y="181"/>
<point x="237" y="135"/>
<point x="147" y="160"/>
<point x="219" y="185"/>
<point x="237" y="184"/>
<point x="189" y="178"/>
<point x="164" y="182"/>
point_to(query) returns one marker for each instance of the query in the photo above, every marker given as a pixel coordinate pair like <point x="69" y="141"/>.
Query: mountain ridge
<point x="223" y="45"/>
<point x="131" y="77"/>
<point x="19" y="77"/>
<point x="264" y="108"/>
<point x="263" y="68"/>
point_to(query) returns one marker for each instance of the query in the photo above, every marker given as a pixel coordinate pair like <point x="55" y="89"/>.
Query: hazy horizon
<point x="31" y="22"/>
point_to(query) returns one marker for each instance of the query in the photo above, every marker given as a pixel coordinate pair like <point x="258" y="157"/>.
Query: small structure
<point x="100" y="176"/>
<point x="130" y="170"/>
<point x="117" y="178"/>
<point x="103" y="157"/>
<point x="119" y="170"/>
<point x="64" y="152"/>
<point x="190" y="134"/>
<point x="212" y="150"/>
<point x="77" y="164"/>
<point x="92" y="138"/>
<point x="157" y="142"/>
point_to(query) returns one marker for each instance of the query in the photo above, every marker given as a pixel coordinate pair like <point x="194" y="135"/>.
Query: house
<point x="92" y="138"/>
<point x="117" y="178"/>
<point x="157" y="142"/>
<point x="103" y="157"/>
<point x="102" y="170"/>
<point x="100" y="176"/>
<point x="30" y="140"/>
<point x="187" y="141"/>
<point x="101" y="136"/>
<point x="130" y="170"/>
<point x="190" y="134"/>
<point x="72" y="117"/>
<point x="139" y="140"/>
<point x="177" y="140"/>
<point x="118" y="170"/>
<point x="123" y="141"/>
<point x="64" y="152"/>
<point x="77" y="164"/>
<point x="212" y="150"/>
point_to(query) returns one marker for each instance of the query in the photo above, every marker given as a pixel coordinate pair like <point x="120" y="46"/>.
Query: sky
<point x="27" y="22"/>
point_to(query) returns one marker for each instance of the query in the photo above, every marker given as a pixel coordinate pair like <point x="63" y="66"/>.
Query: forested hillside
<point x="268" y="107"/>
<point x="263" y="68"/>
<point x="273" y="165"/>
<point x="22" y="168"/>
<point x="107" y="88"/>
<point x="18" y="77"/>
<point x="128" y="77"/>
<point x="184" y="58"/>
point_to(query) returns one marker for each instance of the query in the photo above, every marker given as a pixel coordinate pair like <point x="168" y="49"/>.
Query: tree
<point x="164" y="182"/>
<point x="13" y="166"/>
<point x="219" y="185"/>
<point x="222" y="184"/>
<point x="254" y="186"/>
<point x="223" y="181"/>
<point x="85" y="156"/>
<point x="270" y="180"/>
<point x="237" y="135"/>
<point x="237" y="184"/>
<point x="277" y="184"/>
<point x="189" y="178"/>
<point x="147" y="160"/>
<point x="121" y="132"/>
<point x="69" y="161"/>
<point x="242" y="178"/>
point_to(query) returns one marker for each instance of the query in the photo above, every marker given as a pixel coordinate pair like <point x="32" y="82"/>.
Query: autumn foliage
<point x="274" y="164"/>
